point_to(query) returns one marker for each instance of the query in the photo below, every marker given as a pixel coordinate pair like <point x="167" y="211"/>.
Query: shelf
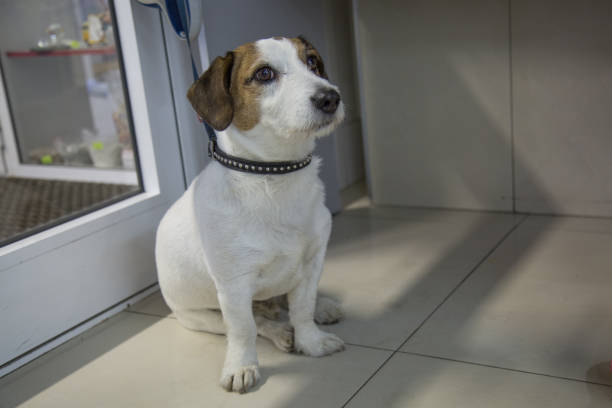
<point x="60" y="53"/>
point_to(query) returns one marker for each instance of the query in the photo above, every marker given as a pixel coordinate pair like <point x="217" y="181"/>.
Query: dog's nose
<point x="326" y="100"/>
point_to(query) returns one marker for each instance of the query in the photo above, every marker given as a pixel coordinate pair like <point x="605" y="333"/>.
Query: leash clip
<point x="211" y="147"/>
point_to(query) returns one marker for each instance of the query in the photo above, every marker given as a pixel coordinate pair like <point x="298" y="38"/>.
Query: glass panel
<point x="69" y="110"/>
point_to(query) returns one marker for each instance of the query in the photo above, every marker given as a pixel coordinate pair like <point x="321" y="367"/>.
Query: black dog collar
<point x="254" y="167"/>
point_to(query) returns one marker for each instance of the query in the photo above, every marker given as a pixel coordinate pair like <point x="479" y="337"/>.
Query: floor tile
<point x="414" y="381"/>
<point x="137" y="360"/>
<point x="390" y="273"/>
<point x="540" y="303"/>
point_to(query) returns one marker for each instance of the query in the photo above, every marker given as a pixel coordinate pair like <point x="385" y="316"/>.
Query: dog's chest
<point x="287" y="249"/>
<point x="264" y="233"/>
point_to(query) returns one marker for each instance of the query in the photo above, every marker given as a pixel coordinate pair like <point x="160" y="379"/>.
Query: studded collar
<point x="252" y="166"/>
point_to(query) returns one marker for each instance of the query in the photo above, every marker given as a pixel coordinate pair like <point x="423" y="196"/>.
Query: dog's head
<point x="276" y="85"/>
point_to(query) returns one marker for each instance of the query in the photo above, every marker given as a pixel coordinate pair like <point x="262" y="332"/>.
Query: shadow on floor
<point x="80" y="357"/>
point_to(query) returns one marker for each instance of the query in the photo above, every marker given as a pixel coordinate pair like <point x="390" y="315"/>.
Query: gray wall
<point x="486" y="104"/>
<point x="233" y="22"/>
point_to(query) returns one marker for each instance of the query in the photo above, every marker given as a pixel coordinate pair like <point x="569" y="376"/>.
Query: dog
<point x="249" y="235"/>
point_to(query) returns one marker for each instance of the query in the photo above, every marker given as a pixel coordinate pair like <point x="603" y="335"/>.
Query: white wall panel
<point x="436" y="99"/>
<point x="562" y="86"/>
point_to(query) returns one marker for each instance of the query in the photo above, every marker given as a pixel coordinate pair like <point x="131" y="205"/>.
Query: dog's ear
<point x="210" y="95"/>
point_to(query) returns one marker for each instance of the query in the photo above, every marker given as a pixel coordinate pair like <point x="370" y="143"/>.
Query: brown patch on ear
<point x="305" y="49"/>
<point x="245" y="92"/>
<point x="210" y="95"/>
<point x="304" y="41"/>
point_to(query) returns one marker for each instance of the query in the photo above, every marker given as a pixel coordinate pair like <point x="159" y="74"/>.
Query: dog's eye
<point x="264" y="74"/>
<point x="312" y="64"/>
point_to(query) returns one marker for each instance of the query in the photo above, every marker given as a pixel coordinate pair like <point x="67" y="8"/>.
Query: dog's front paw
<point x="241" y="379"/>
<point x="317" y="343"/>
<point x="327" y="311"/>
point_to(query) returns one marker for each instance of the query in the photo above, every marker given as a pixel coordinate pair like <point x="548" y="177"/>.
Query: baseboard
<point x="73" y="332"/>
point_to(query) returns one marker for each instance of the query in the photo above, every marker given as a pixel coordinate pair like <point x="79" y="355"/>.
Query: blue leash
<point x="179" y="14"/>
<point x="185" y="16"/>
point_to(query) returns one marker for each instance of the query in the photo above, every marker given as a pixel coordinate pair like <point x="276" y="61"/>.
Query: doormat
<point x="29" y="205"/>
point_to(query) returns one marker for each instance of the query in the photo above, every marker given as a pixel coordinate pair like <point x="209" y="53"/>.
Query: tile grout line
<point x="368" y="380"/>
<point x="465" y="278"/>
<point x="369" y="347"/>
<point x="514" y="370"/>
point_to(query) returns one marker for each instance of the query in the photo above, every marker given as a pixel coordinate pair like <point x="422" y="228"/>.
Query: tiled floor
<point x="443" y="309"/>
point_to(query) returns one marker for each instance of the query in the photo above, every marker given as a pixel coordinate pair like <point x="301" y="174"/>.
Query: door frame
<point x="63" y="280"/>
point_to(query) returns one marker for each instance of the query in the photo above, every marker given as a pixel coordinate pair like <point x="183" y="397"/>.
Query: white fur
<point x="233" y="237"/>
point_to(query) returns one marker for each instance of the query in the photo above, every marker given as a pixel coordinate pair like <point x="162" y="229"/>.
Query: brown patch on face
<point x="225" y="94"/>
<point x="245" y="92"/>
<point x="306" y="50"/>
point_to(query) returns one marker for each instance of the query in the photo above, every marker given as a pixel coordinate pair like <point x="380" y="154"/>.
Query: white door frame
<point x="57" y="283"/>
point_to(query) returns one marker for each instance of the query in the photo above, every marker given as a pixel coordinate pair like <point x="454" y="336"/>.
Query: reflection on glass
<point x="68" y="108"/>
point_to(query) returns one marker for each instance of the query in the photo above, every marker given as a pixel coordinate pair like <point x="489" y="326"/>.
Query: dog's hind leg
<point x="280" y="333"/>
<point x="327" y="310"/>
<point x="270" y="308"/>
<point x="208" y="320"/>
<point x="211" y="321"/>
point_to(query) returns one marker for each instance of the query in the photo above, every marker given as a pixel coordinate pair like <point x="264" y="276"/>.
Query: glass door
<point x="70" y="148"/>
<point x="90" y="163"/>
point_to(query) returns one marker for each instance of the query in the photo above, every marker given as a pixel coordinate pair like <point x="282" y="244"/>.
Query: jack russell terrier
<point x="250" y="233"/>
